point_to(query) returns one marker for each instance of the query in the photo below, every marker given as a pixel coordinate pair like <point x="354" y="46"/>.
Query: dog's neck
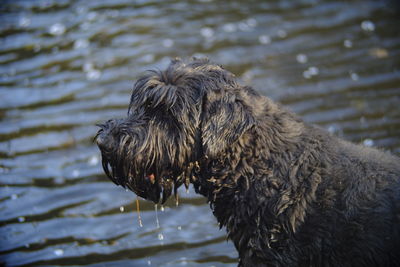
<point x="265" y="195"/>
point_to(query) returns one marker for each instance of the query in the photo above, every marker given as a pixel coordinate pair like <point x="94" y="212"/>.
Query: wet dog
<point x="288" y="193"/>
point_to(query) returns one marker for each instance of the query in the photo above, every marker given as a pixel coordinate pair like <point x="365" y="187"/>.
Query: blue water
<point x="67" y="65"/>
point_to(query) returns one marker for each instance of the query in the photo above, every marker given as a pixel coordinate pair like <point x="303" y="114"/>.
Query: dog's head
<point x="177" y="117"/>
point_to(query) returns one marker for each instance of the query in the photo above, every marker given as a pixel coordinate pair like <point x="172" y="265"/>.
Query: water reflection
<point x="67" y="65"/>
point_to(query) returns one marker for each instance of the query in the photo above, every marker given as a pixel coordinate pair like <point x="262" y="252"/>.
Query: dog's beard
<point x="133" y="166"/>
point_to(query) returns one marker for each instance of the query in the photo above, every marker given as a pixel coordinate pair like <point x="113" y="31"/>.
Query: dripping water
<point x="138" y="212"/>
<point x="177" y="200"/>
<point x="157" y="221"/>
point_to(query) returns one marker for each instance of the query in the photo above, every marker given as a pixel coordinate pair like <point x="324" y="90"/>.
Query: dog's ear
<point x="223" y="122"/>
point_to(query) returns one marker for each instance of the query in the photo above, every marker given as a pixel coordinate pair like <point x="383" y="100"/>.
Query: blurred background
<point x="67" y="65"/>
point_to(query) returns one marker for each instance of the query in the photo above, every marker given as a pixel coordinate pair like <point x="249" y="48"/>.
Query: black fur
<point x="288" y="193"/>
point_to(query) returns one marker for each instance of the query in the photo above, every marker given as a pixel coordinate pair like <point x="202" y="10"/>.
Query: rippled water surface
<point x="67" y="65"/>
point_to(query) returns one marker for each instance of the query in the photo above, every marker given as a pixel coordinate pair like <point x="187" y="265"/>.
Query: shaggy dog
<point x="288" y="193"/>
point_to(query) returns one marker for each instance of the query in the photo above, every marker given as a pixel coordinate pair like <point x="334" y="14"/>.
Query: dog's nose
<point x="102" y="140"/>
<point x="103" y="137"/>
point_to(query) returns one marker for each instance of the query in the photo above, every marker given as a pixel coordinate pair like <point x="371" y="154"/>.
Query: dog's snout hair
<point x="288" y="193"/>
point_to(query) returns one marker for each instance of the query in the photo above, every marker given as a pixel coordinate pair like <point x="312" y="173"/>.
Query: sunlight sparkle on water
<point x="57" y="29"/>
<point x="81" y="43"/>
<point x="24" y="22"/>
<point x="368" y="142"/>
<point x="301" y="58"/>
<point x="207" y="32"/>
<point x="59" y="252"/>
<point x="347" y="43"/>
<point x="310" y="72"/>
<point x="229" y="27"/>
<point x="368" y="26"/>
<point x="160" y="236"/>
<point x="264" y="39"/>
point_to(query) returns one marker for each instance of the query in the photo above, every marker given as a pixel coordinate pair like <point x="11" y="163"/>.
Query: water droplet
<point x="57" y="29"/>
<point x="93" y="75"/>
<point x="59" y="252"/>
<point x="179" y="227"/>
<point x="183" y="260"/>
<point x="368" y="26"/>
<point x="81" y="43"/>
<point x="138" y="212"/>
<point x="167" y="42"/>
<point x="157" y="221"/>
<point x="243" y="26"/>
<point x="264" y="39"/>
<point x="333" y="129"/>
<point x="310" y="72"/>
<point x="354" y="76"/>
<point x="93" y="161"/>
<point x="301" y="58"/>
<point x="313" y="71"/>
<point x="121" y="209"/>
<point x="347" y="43"/>
<point x="91" y="16"/>
<point x="149" y="262"/>
<point x="282" y="33"/>
<point x="229" y="27"/>
<point x="75" y="173"/>
<point x="207" y="32"/>
<point x="21" y="219"/>
<point x="306" y="74"/>
<point x="24" y="22"/>
<point x="160" y="236"/>
<point x="368" y="142"/>
<point x="14" y="196"/>
<point x="162" y="208"/>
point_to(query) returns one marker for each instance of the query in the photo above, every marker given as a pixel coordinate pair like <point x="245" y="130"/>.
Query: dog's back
<point x="358" y="203"/>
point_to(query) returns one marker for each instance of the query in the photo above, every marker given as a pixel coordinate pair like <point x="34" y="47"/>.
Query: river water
<point x="67" y="65"/>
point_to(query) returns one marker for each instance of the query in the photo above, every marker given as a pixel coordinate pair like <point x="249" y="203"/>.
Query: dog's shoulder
<point x="374" y="158"/>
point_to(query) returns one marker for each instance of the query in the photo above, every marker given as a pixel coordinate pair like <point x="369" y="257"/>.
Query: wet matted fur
<point x="288" y="193"/>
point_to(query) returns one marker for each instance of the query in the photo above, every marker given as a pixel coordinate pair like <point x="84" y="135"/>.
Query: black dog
<point x="288" y="193"/>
